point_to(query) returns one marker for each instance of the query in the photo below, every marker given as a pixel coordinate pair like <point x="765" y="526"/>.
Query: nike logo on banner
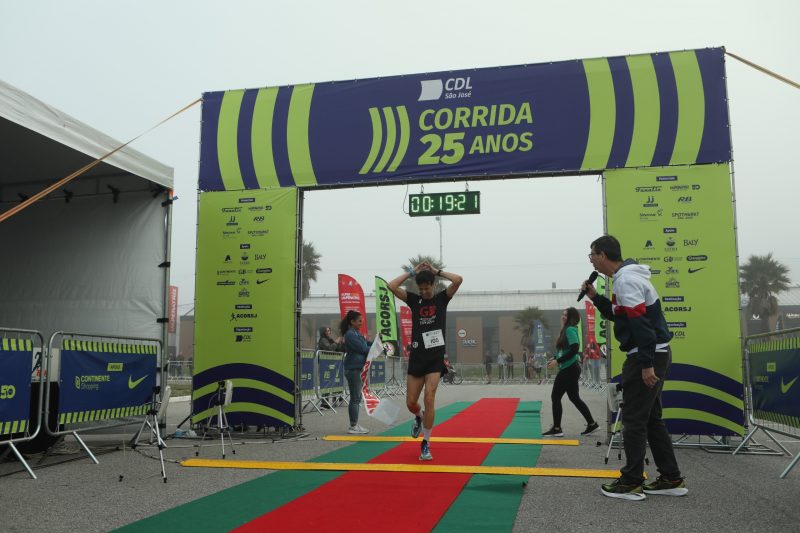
<point x="260" y="281"/>
<point x="693" y="270"/>
<point x="785" y="388"/>
<point x="132" y="384"/>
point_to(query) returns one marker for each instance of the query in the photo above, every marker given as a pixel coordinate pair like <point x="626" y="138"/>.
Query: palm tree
<point x="761" y="278"/>
<point x="310" y="267"/>
<point x="525" y="321"/>
<point x="410" y="284"/>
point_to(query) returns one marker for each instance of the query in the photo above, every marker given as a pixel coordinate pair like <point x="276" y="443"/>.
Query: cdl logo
<point x="433" y="89"/>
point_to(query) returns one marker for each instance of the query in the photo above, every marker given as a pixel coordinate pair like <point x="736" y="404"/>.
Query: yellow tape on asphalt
<point x="428" y="468"/>
<point x="483" y="440"/>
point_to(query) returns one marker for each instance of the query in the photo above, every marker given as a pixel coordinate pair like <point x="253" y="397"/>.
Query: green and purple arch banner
<point x="679" y="222"/>
<point x="658" y="109"/>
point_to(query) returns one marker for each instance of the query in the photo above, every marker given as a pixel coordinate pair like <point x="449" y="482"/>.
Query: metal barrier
<point x="21" y="363"/>
<point x="179" y="372"/>
<point x="331" y="384"/>
<point x="309" y="394"/>
<point x="477" y="373"/>
<point x="84" y="413"/>
<point x="772" y="397"/>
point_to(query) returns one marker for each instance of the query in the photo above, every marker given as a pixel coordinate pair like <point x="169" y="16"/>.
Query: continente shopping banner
<point x="244" y="305"/>
<point x="679" y="221"/>
<point x="567" y="116"/>
<point x="351" y="298"/>
<point x="386" y="316"/>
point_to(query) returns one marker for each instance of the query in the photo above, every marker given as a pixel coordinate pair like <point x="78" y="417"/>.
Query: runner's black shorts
<point x="421" y="364"/>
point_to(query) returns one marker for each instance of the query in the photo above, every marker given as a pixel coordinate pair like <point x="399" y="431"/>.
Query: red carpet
<point x="360" y="500"/>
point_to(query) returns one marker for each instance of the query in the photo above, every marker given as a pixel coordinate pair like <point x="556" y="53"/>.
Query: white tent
<point x="90" y="258"/>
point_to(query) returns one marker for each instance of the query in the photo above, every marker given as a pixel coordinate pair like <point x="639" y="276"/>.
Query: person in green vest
<point x="569" y="372"/>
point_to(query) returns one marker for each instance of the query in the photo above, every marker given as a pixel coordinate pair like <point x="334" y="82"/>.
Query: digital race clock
<point x="444" y="203"/>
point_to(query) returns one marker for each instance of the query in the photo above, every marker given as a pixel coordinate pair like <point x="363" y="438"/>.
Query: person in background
<point x="327" y="343"/>
<point x="526" y="367"/>
<point x="501" y="365"/>
<point x="356" y="350"/>
<point x="487" y="363"/>
<point x="510" y="360"/>
<point x="592" y="357"/>
<point x="569" y="372"/>
<point x="539" y="364"/>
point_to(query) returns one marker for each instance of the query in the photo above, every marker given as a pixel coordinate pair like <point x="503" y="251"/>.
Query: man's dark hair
<point x="609" y="245"/>
<point x="426" y="276"/>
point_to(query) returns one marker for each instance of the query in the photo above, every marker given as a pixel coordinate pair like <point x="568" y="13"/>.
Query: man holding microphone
<point x="641" y="329"/>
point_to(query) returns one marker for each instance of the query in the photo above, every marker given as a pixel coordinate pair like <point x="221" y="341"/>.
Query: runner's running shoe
<point x="553" y="432"/>
<point x="590" y="428"/>
<point x="615" y="489"/>
<point x="357" y="430"/>
<point x="425" y="451"/>
<point x="666" y="487"/>
<point x="416" y="427"/>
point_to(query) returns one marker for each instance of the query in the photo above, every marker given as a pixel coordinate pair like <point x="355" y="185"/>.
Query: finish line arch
<point x="655" y="125"/>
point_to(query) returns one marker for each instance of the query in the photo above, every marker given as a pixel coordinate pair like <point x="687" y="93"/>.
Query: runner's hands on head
<point x="421" y="266"/>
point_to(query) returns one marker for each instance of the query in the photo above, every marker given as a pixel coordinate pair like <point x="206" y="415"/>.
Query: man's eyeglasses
<point x="593" y="253"/>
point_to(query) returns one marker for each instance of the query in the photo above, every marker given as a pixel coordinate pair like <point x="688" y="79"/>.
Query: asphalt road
<point x="726" y="493"/>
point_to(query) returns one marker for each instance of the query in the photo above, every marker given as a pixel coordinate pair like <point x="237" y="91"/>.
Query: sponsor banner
<point x="15" y="390"/>
<point x="688" y="241"/>
<point x="600" y="323"/>
<point x="386" y="316"/>
<point x="244" y="305"/>
<point x="579" y="115"/>
<point x="405" y="329"/>
<point x="383" y="410"/>
<point x="105" y="380"/>
<point x="590" y="318"/>
<point x="173" y="309"/>
<point x="307" y="368"/>
<point x="330" y="367"/>
<point x="538" y="327"/>
<point x="351" y="298"/>
<point x="774" y="376"/>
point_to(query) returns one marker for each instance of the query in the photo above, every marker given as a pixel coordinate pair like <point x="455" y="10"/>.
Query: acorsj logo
<point x="455" y="87"/>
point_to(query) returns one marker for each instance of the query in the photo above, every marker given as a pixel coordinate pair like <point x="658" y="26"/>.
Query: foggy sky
<point x="122" y="67"/>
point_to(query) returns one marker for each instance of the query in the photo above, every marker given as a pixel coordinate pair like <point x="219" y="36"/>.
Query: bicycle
<point x="452" y="377"/>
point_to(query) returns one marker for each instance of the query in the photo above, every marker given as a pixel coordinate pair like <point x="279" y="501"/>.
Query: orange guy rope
<point x="765" y="71"/>
<point x="41" y="194"/>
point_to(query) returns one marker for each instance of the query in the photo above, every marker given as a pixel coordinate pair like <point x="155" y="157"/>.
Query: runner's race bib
<point x="433" y="339"/>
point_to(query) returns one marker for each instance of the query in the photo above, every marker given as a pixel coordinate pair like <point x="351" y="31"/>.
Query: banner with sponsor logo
<point x="590" y="318"/>
<point x="15" y="385"/>
<point x="774" y="373"/>
<point x="244" y="305"/>
<point x="405" y="329"/>
<point x="386" y="316"/>
<point x="351" y="298"/>
<point x="102" y="380"/>
<point x="567" y="116"/>
<point x="679" y="221"/>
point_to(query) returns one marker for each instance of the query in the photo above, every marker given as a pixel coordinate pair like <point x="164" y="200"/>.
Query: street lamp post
<point x="439" y="220"/>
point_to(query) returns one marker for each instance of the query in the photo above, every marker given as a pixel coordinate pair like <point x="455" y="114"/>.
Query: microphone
<point x="592" y="277"/>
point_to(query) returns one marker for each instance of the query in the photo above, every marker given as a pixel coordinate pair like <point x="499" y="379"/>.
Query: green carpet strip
<point x="238" y="505"/>
<point x="491" y="503"/>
